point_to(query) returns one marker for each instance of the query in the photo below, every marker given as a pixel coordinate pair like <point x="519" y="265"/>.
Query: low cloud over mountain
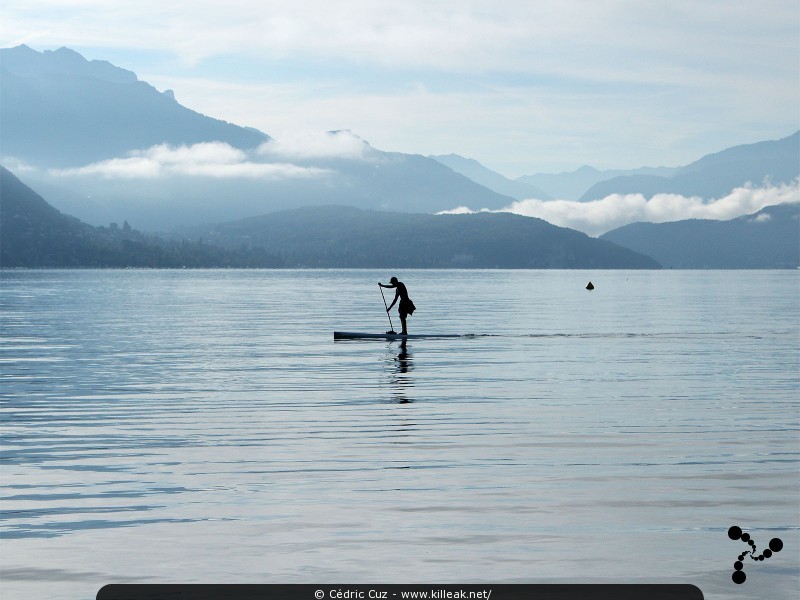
<point x="206" y="159"/>
<point x="723" y="185"/>
<point x="598" y="216"/>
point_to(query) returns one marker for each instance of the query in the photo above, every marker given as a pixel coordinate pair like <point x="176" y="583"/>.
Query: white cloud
<point x="204" y="153"/>
<point x="16" y="165"/>
<point x="616" y="210"/>
<point x="208" y="159"/>
<point x="332" y="144"/>
<point x="459" y="210"/>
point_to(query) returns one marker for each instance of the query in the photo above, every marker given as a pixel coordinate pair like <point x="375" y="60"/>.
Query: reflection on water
<point x="400" y="380"/>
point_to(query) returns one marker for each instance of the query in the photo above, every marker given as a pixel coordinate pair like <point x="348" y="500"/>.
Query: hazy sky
<point x="522" y="86"/>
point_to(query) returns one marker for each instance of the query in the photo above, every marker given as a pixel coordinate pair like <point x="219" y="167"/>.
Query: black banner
<point x="400" y="592"/>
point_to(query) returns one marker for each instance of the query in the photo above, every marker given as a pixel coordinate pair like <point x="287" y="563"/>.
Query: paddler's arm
<point x="396" y="298"/>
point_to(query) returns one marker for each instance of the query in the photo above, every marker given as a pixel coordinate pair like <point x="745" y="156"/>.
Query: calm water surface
<point x="203" y="426"/>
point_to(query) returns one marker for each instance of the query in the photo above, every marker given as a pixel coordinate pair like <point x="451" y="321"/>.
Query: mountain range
<point x="712" y="176"/>
<point x="767" y="239"/>
<point x="34" y="234"/>
<point x="103" y="146"/>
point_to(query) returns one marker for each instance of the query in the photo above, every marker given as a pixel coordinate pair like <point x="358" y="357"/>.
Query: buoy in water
<point x="590" y="286"/>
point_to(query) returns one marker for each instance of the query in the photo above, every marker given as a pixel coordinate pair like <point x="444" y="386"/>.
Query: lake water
<point x="203" y="426"/>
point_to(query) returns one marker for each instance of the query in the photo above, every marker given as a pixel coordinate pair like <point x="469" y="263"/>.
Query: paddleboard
<point x="356" y="335"/>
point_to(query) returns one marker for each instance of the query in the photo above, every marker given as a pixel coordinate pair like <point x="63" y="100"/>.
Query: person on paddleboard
<point x="406" y="306"/>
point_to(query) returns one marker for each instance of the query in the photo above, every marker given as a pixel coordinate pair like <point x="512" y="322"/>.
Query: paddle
<point x="387" y="309"/>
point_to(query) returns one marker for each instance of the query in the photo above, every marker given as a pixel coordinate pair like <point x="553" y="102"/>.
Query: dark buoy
<point x="590" y="286"/>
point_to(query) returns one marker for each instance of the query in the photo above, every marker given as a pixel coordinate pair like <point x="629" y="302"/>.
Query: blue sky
<point x="523" y="86"/>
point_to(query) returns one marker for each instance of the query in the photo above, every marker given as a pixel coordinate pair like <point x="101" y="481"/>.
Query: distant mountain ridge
<point x="710" y="177"/>
<point x="714" y="175"/>
<point x="767" y="239"/>
<point x="478" y="173"/>
<point x="573" y="185"/>
<point x="60" y="110"/>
